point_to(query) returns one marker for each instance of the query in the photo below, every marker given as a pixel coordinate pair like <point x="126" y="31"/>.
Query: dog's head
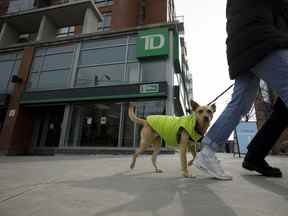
<point x="204" y="115"/>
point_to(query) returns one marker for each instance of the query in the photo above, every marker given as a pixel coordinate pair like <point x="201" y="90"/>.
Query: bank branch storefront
<point x="77" y="92"/>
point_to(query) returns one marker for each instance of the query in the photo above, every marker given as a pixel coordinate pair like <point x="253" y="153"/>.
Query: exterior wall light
<point x="16" y="79"/>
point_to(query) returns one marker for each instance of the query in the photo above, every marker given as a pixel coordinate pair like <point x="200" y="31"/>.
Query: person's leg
<point x="273" y="69"/>
<point x="244" y="93"/>
<point x="264" y="140"/>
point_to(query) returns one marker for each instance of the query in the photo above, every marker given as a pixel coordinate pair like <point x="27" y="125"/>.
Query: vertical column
<point x="170" y="77"/>
<point x="16" y="135"/>
<point x="47" y="30"/>
<point x="90" y="23"/>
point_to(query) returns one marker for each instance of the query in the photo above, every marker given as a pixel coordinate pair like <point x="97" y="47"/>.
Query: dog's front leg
<point x="183" y="153"/>
<point x="193" y="149"/>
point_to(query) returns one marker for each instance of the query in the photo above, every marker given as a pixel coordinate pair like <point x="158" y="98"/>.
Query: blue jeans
<point x="273" y="69"/>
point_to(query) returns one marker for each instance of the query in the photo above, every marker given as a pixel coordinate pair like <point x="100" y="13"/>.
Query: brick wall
<point x="155" y="11"/>
<point x="125" y="13"/>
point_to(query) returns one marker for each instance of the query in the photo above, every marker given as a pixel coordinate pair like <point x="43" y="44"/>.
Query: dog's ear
<point x="213" y="107"/>
<point x="194" y="105"/>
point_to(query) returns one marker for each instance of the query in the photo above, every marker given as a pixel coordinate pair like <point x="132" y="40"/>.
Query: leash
<point x="220" y="95"/>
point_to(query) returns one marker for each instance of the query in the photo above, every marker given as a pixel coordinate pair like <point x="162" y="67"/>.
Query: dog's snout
<point x="206" y="118"/>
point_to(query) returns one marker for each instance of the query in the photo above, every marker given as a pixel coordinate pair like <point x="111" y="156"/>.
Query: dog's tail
<point x="133" y="117"/>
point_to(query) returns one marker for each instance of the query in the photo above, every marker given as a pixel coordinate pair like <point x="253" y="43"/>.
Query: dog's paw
<point x="186" y="175"/>
<point x="132" y="166"/>
<point x="158" y="171"/>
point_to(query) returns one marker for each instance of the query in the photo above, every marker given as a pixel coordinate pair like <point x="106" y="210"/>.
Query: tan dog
<point x="203" y="116"/>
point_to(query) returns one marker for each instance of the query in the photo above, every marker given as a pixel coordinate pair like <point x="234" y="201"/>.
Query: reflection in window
<point x="51" y="68"/>
<point x="133" y="72"/>
<point x="100" y="75"/>
<point x="103" y="55"/>
<point x="20" y="5"/>
<point x="66" y="31"/>
<point x="154" y="71"/>
<point x="108" y="42"/>
<point x="105" y="25"/>
<point x="103" y="2"/>
<point x="9" y="65"/>
<point x="95" y="125"/>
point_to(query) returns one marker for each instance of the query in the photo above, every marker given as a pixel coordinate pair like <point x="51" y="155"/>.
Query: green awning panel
<point x="120" y="92"/>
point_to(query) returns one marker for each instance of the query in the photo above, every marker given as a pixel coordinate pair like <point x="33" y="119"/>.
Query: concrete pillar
<point x="90" y="23"/>
<point x="170" y="77"/>
<point x="8" y="35"/>
<point x="47" y="29"/>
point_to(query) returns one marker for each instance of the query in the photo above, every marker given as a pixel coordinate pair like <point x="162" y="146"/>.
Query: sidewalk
<point x="98" y="185"/>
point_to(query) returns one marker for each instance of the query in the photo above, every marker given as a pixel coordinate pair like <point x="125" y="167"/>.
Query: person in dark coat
<point x="257" y="45"/>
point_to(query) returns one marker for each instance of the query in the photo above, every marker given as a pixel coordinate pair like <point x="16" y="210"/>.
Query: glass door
<point x="47" y="126"/>
<point x="95" y="125"/>
<point x="3" y="112"/>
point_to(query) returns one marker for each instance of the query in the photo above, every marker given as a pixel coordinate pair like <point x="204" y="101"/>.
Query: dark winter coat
<point x="255" y="28"/>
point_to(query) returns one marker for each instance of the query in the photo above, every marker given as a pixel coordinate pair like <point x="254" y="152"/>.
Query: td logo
<point x="152" y="42"/>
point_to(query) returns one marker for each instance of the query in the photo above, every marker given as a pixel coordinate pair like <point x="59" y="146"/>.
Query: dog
<point x="184" y="131"/>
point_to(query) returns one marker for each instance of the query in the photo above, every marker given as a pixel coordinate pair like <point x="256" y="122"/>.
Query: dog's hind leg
<point x="146" y="138"/>
<point x="140" y="150"/>
<point x="157" y="147"/>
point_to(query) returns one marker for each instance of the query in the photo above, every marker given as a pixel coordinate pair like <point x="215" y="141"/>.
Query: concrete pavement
<point x="100" y="185"/>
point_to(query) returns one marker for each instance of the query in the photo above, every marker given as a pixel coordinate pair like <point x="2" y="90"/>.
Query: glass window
<point x="105" y="25"/>
<point x="151" y="108"/>
<point x="2" y="117"/>
<point x="66" y="31"/>
<point x="6" y="68"/>
<point x="33" y="81"/>
<point x="9" y="66"/>
<point x="57" y="61"/>
<point x="39" y="52"/>
<point x="20" y="5"/>
<point x="100" y="43"/>
<point x="103" y="2"/>
<point x="100" y="75"/>
<point x="60" y="49"/>
<point x="37" y="63"/>
<point x="132" y="53"/>
<point x="132" y="39"/>
<point x="51" y="68"/>
<point x="53" y="79"/>
<point x="154" y="71"/>
<point x="95" y="125"/>
<point x="7" y="57"/>
<point x="15" y="70"/>
<point x="102" y="56"/>
<point x="133" y="72"/>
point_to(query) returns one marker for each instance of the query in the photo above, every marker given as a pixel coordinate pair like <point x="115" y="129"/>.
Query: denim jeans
<point x="273" y="69"/>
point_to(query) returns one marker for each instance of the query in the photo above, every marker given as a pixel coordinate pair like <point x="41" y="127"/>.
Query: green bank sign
<point x="153" y="42"/>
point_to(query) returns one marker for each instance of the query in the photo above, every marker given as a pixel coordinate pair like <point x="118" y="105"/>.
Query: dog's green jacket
<point x="168" y="127"/>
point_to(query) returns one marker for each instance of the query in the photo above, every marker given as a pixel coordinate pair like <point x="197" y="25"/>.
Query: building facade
<point x="69" y="69"/>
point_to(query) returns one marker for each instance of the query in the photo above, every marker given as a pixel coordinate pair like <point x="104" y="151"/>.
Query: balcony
<point x="42" y="24"/>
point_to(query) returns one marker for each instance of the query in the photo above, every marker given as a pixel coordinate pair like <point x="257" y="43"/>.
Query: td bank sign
<point x="152" y="42"/>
